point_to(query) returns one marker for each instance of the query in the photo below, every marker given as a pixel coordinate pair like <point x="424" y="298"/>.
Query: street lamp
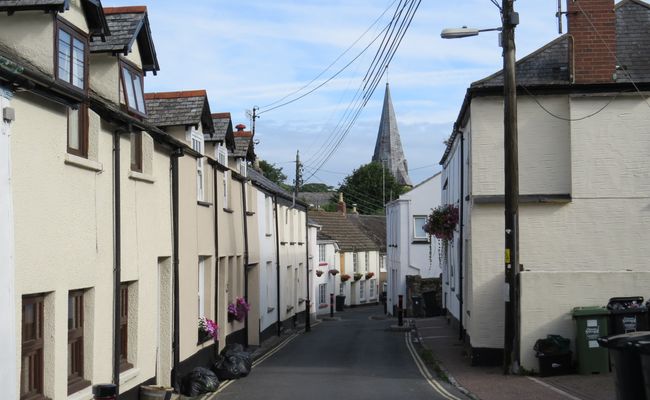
<point x="509" y="19"/>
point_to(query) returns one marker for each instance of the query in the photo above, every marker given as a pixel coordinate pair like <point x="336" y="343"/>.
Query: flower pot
<point x="333" y="272"/>
<point x="319" y="273"/>
<point x="357" y="277"/>
<point x="345" y="277"/>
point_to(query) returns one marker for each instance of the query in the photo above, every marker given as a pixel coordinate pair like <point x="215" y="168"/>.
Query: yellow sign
<point x="507" y="256"/>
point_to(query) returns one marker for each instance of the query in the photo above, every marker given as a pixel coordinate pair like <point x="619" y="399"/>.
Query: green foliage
<point x="315" y="187"/>
<point x="273" y="173"/>
<point x="365" y="187"/>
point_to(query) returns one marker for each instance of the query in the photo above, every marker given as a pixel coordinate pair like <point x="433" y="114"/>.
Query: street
<point x="353" y="358"/>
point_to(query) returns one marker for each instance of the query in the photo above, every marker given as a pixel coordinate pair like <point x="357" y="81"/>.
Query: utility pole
<point x="298" y="181"/>
<point x="254" y="116"/>
<point x="510" y="20"/>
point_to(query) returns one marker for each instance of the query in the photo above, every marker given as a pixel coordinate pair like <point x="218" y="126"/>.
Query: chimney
<point x="593" y="61"/>
<point x="354" y="208"/>
<point x="240" y="127"/>
<point x="340" y="207"/>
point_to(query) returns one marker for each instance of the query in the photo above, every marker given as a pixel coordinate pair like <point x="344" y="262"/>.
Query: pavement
<point x="489" y="383"/>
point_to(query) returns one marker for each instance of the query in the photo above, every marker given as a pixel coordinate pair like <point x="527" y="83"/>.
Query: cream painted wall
<point x="30" y="34"/>
<point x="563" y="290"/>
<point x="544" y="146"/>
<point x="134" y="56"/>
<point x="104" y="75"/>
<point x="75" y="15"/>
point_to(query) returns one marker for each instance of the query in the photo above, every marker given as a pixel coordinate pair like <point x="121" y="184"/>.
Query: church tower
<point x="388" y="149"/>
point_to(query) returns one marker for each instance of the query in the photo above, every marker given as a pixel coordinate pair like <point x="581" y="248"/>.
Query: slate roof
<point x="374" y="226"/>
<point x="549" y="65"/>
<point x="260" y="180"/>
<point x="222" y="126"/>
<point x="339" y="227"/>
<point x="128" y="24"/>
<point x="243" y="144"/>
<point x="317" y="199"/>
<point x="179" y="108"/>
<point x="93" y="11"/>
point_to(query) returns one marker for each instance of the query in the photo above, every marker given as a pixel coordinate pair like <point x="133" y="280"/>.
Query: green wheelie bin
<point x="591" y="323"/>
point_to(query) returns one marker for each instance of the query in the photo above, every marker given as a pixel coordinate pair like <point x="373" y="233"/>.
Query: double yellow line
<point x="425" y="371"/>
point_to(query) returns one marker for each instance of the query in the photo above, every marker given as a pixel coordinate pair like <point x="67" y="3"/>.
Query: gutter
<point x="175" y="266"/>
<point x="117" y="260"/>
<point x="461" y="333"/>
<point x="216" y="246"/>
<point x="308" y="305"/>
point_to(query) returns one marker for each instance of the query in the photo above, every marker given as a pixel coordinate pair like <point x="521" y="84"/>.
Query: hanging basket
<point x="333" y="272"/>
<point x="370" y="275"/>
<point x="345" y="277"/>
<point x="442" y="222"/>
<point x="319" y="272"/>
<point x="358" y="276"/>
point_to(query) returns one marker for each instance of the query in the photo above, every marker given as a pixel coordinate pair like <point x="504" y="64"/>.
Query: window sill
<point x="292" y="243"/>
<point x="323" y="305"/>
<point x="420" y="241"/>
<point x="270" y="309"/>
<point x="289" y="308"/>
<point x="139" y="176"/>
<point x="301" y="243"/>
<point x="268" y="235"/>
<point x="204" y="203"/>
<point x="84" y="163"/>
<point x="228" y="210"/>
<point x="84" y="394"/>
<point x="283" y="243"/>
<point x="250" y="213"/>
<point x="129" y="375"/>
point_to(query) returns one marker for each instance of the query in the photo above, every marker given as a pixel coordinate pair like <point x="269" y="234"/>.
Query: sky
<point x="248" y="53"/>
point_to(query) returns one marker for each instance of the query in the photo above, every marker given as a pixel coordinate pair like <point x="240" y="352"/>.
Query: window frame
<point x="362" y="290"/>
<point x="322" y="253"/>
<point x="355" y="261"/>
<point x="134" y="71"/>
<point x="371" y="289"/>
<point x="124" y="327"/>
<point x="136" y="151"/>
<point x="226" y="190"/>
<point x="75" y="33"/>
<point x="322" y="294"/>
<point x="34" y="346"/>
<point x="196" y="137"/>
<point x="82" y="131"/>
<point x="424" y="237"/>
<point x="367" y="260"/>
<point x="76" y="380"/>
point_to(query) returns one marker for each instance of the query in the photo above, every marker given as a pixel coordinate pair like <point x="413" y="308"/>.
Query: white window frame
<point x="201" y="288"/>
<point x="226" y="189"/>
<point x="197" y="145"/>
<point x="371" y="289"/>
<point x="322" y="293"/>
<point x="342" y="289"/>
<point x="355" y="261"/>
<point x="321" y="253"/>
<point x="367" y="255"/>
<point x="419" y="235"/>
<point x="362" y="291"/>
<point x="221" y="154"/>
<point x="243" y="168"/>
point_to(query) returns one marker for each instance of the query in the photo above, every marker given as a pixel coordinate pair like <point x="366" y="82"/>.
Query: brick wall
<point x="594" y="61"/>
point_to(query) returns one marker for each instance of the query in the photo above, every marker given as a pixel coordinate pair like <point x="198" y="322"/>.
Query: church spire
<point x="388" y="148"/>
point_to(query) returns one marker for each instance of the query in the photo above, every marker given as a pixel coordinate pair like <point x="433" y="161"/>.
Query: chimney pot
<point x="240" y="127"/>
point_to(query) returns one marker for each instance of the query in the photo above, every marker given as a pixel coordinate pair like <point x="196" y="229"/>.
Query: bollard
<point x="105" y="391"/>
<point x="332" y="305"/>
<point x="385" y="307"/>
<point x="400" y="311"/>
<point x="307" y="315"/>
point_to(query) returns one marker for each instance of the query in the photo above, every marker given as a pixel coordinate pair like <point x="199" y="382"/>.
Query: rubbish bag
<point x="233" y="363"/>
<point x="199" y="381"/>
<point x="552" y="345"/>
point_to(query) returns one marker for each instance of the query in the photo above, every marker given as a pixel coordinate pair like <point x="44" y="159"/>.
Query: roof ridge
<point x="221" y="115"/>
<point x="639" y="2"/>
<point x="125" y="10"/>
<point x="175" y="95"/>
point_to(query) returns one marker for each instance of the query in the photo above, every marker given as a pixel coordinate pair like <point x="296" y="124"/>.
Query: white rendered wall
<point x="8" y="356"/>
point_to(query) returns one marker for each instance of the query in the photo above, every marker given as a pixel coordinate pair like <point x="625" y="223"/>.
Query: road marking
<point x="555" y="389"/>
<point x="436" y="337"/>
<point x="425" y="371"/>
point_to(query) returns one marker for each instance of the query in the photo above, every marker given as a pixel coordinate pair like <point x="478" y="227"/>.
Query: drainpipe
<point x="175" y="249"/>
<point x="117" y="258"/>
<point x="216" y="247"/>
<point x="245" y="216"/>
<point x="277" y="261"/>
<point x="308" y="305"/>
<point x="461" y="333"/>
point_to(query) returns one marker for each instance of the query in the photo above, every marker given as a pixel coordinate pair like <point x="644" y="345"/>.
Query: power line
<point x="565" y="118"/>
<point x="337" y="58"/>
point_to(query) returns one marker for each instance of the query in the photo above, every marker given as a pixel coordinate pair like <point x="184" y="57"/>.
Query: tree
<point x="316" y="187"/>
<point x="366" y="185"/>
<point x="273" y="173"/>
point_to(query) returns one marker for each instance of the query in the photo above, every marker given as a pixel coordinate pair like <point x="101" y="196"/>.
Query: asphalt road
<point x="354" y="358"/>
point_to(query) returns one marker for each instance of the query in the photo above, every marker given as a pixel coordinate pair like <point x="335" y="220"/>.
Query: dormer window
<point x="132" y="84"/>
<point x="222" y="154"/>
<point x="71" y="56"/>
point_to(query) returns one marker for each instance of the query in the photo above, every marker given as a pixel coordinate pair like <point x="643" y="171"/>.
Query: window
<point x="201" y="287"/>
<point x="362" y="290"/>
<point x="71" y="58"/>
<point x="367" y="259"/>
<point x="322" y="294"/>
<point x="382" y="263"/>
<point x="124" y="328"/>
<point x="321" y="253"/>
<point x="136" y="152"/>
<point x="418" y="227"/>
<point x="342" y="289"/>
<point x="197" y="145"/>
<point x="355" y="261"/>
<point x="78" y="130"/>
<point x="371" y="288"/>
<point x="76" y="379"/>
<point x="133" y="87"/>
<point x="243" y="168"/>
<point x="269" y="214"/>
<point x="226" y="178"/>
<point x="31" y="368"/>
<point x="222" y="154"/>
